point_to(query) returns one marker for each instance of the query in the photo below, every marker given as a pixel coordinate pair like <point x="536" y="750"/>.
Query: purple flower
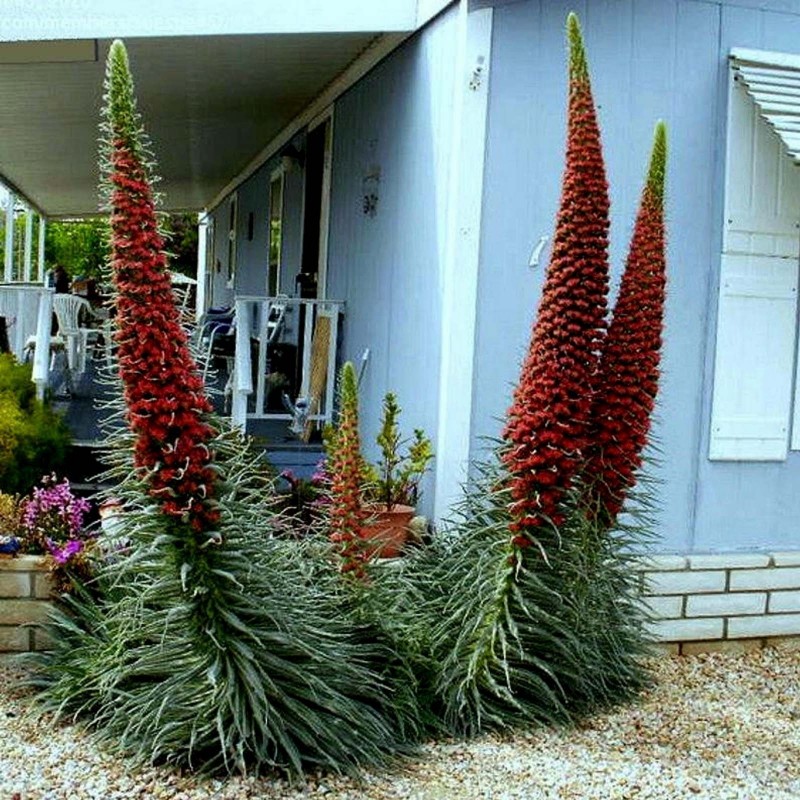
<point x="62" y="555"/>
<point x="320" y="475"/>
<point x="54" y="510"/>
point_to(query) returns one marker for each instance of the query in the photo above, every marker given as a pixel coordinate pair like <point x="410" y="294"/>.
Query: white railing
<point x="311" y="326"/>
<point x="28" y="309"/>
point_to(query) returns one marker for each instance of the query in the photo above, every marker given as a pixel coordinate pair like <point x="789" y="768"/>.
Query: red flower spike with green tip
<point x="164" y="394"/>
<point x="345" y="468"/>
<point x="547" y="426"/>
<point x="628" y="380"/>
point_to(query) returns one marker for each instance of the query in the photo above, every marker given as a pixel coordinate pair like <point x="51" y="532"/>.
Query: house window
<point x="275" y="233"/>
<point x="756" y="402"/>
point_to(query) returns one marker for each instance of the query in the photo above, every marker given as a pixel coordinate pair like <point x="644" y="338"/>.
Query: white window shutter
<point x="754" y="358"/>
<point x="757" y="311"/>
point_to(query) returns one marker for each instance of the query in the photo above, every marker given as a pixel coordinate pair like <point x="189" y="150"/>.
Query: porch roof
<point x="215" y="84"/>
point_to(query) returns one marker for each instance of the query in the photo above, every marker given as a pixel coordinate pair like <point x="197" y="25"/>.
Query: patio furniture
<point x="67" y="308"/>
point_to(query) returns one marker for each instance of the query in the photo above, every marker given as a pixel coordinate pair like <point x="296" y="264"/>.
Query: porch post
<point x="41" y="355"/>
<point x="202" y="244"/>
<point x="40" y="254"/>
<point x="8" y="261"/>
<point x="242" y="383"/>
<point x="26" y="274"/>
<point x="462" y="254"/>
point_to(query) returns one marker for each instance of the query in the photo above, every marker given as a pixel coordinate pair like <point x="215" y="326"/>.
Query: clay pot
<point x="386" y="531"/>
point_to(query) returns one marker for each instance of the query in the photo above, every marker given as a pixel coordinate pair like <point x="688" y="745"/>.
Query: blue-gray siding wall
<point x="649" y="59"/>
<point x="251" y="253"/>
<point x="221" y="295"/>
<point x="388" y="266"/>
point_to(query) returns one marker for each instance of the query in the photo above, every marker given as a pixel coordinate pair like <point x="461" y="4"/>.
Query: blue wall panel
<point x="650" y="59"/>
<point x="391" y="138"/>
<point x="251" y="255"/>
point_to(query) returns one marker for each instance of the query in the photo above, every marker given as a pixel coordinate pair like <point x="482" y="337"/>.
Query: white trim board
<point x="462" y="254"/>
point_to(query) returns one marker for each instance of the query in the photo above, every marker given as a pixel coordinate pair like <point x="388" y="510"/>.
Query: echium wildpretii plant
<point x="627" y="385"/>
<point x="600" y="582"/>
<point x="345" y="470"/>
<point x="535" y="617"/>
<point x="547" y="423"/>
<point x="164" y="393"/>
<point x="212" y="640"/>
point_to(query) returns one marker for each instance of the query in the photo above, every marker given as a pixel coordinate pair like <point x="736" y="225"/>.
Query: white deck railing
<point x="28" y="310"/>
<point x="262" y="323"/>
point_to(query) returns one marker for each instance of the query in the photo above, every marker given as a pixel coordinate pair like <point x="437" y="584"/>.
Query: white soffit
<point x="773" y="81"/>
<point x="209" y="103"/>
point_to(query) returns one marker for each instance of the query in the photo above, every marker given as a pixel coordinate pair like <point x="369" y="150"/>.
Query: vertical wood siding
<point x="391" y="135"/>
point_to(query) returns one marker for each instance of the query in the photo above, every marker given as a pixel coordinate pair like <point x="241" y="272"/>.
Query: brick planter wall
<point x="726" y="601"/>
<point x="24" y="594"/>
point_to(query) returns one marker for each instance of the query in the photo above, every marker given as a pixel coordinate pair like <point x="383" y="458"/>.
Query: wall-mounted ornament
<point x="370" y="190"/>
<point x="476" y="78"/>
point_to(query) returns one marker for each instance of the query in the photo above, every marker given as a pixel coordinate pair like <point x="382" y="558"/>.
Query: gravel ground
<point x="716" y="726"/>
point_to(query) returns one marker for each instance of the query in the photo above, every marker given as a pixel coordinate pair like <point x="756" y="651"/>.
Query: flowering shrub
<point x="547" y="425"/>
<point x="9" y="513"/>
<point x="33" y="437"/>
<point x="9" y="524"/>
<point x="52" y="523"/>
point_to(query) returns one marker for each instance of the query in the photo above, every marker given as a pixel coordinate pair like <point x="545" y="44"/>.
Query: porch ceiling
<point x="210" y="104"/>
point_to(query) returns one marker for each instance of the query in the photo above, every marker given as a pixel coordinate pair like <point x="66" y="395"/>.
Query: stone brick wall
<point x="24" y="594"/>
<point x="722" y="601"/>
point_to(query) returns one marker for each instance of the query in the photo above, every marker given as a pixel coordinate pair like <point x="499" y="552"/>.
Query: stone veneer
<point x="24" y="595"/>
<point x="723" y="601"/>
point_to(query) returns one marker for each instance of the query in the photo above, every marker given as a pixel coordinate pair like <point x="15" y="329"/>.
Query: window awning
<point x="773" y="81"/>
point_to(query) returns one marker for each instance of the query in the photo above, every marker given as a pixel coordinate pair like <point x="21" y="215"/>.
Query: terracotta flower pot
<point x="386" y="531"/>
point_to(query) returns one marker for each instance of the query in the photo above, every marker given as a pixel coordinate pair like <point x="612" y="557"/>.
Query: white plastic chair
<point x="67" y="308"/>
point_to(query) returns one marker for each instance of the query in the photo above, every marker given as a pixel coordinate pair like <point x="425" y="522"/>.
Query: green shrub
<point x="33" y="437"/>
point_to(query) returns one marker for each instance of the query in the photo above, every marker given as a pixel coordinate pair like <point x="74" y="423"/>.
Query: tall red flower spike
<point x="164" y="394"/>
<point x="547" y="424"/>
<point x="628" y="380"/>
<point x="345" y="471"/>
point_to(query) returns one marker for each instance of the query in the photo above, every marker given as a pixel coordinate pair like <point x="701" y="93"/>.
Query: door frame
<point x="324" y="118"/>
<point x="278" y="174"/>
